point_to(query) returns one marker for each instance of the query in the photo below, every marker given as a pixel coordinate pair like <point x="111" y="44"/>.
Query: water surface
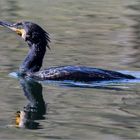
<point x="99" y="33"/>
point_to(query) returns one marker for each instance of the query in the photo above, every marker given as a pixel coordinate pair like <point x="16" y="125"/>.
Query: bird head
<point x="29" y="31"/>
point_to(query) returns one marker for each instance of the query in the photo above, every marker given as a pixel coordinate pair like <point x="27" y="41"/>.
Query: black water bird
<point x="38" y="40"/>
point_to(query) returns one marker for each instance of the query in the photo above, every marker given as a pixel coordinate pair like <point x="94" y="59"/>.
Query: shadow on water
<point x="35" y="109"/>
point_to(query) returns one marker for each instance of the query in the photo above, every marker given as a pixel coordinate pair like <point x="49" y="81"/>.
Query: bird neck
<point x="34" y="59"/>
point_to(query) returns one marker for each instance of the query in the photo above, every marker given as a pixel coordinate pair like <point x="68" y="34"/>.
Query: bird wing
<point x="78" y="73"/>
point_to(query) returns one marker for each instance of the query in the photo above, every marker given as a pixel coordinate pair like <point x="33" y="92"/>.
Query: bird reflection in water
<point x="35" y="109"/>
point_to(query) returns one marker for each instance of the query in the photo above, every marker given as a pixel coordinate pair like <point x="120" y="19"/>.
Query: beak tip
<point x="5" y="24"/>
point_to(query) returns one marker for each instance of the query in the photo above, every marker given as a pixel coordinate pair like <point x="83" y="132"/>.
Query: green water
<point x="99" y="33"/>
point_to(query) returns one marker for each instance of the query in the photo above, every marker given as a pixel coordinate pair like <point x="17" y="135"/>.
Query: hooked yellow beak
<point x="13" y="27"/>
<point x="20" y="32"/>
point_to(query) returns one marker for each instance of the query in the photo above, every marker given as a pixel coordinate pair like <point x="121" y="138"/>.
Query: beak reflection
<point x="35" y="109"/>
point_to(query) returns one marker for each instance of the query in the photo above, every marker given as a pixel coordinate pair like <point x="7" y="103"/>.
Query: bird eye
<point x="19" y="25"/>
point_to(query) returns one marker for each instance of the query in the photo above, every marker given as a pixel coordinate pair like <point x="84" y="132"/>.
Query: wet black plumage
<point x="38" y="39"/>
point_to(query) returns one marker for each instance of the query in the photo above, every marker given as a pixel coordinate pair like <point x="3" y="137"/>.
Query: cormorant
<point x="38" y="40"/>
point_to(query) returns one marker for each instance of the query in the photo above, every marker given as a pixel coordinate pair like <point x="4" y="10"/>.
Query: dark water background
<point x="99" y="33"/>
